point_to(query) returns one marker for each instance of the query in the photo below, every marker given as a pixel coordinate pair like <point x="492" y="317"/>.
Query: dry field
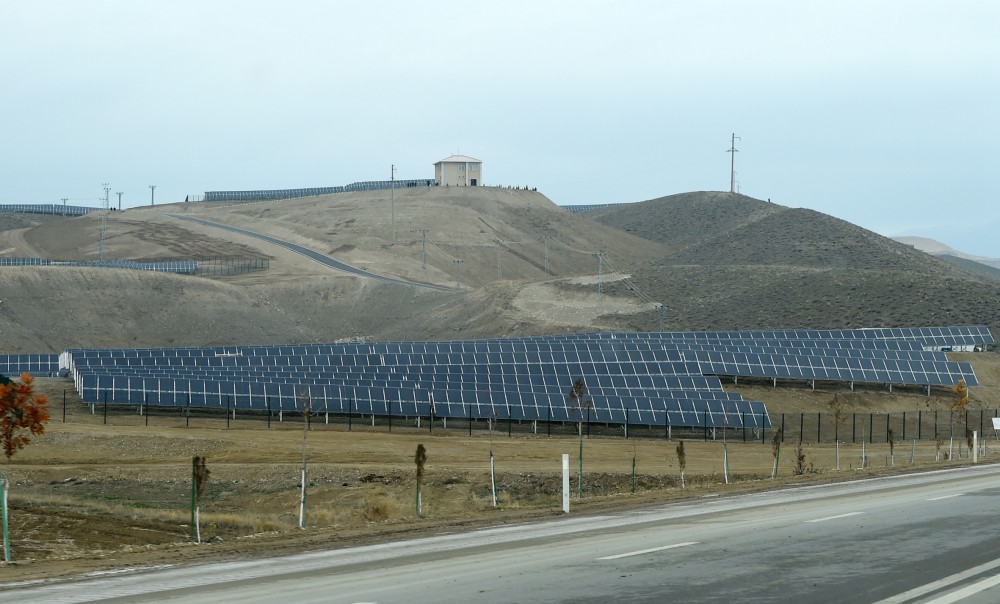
<point x="90" y="496"/>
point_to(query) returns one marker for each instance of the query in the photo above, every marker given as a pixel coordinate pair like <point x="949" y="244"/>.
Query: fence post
<point x="469" y="413"/>
<point x="145" y="406"/>
<point x="854" y="428"/>
<point x="887" y="416"/>
<point x="819" y="431"/>
<point x="871" y="428"/>
<point x="920" y="423"/>
<point x="64" y="405"/>
<point x="743" y="420"/>
<point x="782" y="428"/>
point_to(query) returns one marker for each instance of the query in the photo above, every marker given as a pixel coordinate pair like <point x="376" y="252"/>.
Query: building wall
<point x="459" y="174"/>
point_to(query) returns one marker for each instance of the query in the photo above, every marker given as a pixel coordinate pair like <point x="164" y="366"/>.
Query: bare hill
<point x="766" y="266"/>
<point x="678" y="221"/>
<point x="715" y="260"/>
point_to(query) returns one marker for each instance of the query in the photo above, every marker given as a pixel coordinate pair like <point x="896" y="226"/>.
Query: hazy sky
<point x="882" y="113"/>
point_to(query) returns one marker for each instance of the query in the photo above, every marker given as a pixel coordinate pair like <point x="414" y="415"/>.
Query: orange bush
<point x="22" y="412"/>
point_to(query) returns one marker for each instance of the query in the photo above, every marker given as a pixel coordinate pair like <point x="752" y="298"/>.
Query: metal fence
<point x="881" y="427"/>
<point x="53" y="209"/>
<point x="368" y="185"/>
<point x="205" y="267"/>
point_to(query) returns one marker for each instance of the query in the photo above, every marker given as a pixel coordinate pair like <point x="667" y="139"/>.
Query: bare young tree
<point x="578" y="401"/>
<point x="681" y="460"/>
<point x="199" y="478"/>
<point x="306" y="401"/>
<point x="776" y="451"/>
<point x="420" y="458"/>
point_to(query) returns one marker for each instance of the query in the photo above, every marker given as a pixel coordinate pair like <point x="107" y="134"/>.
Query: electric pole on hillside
<point x="392" y="199"/>
<point x="64" y="200"/>
<point x="152" y="195"/>
<point x="119" y="194"/>
<point x="423" y="248"/>
<point x="104" y="219"/>
<point x="732" y="164"/>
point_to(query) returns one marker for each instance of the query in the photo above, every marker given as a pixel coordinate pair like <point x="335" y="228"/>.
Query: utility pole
<point x="600" y="277"/>
<point x="546" y="240"/>
<point x="732" y="164"/>
<point x="423" y="251"/>
<point x="499" y="247"/>
<point x="458" y="273"/>
<point x="64" y="200"/>
<point x="152" y="195"/>
<point x="104" y="220"/>
<point x="119" y="194"/>
<point x="392" y="200"/>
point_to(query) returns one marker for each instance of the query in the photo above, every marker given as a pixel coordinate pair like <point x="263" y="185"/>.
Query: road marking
<point x="945" y="497"/>
<point x="649" y="551"/>
<point x="968" y="590"/>
<point x="834" y="517"/>
<point x="916" y="592"/>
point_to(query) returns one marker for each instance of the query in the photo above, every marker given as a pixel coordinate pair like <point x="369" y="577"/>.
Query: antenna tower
<point x="732" y="164"/>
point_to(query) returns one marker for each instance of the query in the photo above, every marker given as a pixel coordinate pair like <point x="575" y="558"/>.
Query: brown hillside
<point x="807" y="239"/>
<point x="686" y="218"/>
<point x="763" y="266"/>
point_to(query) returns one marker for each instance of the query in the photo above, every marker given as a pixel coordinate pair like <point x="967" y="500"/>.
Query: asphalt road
<point x="312" y="254"/>
<point x="922" y="538"/>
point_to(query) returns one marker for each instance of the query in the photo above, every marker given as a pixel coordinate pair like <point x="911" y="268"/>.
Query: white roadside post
<point x="565" y="460"/>
<point x="975" y="447"/>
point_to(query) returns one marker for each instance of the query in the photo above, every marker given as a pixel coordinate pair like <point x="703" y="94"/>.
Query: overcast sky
<point x="882" y="113"/>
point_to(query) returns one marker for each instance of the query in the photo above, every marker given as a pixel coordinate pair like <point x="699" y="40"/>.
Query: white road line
<point x="648" y="551"/>
<point x="968" y="590"/>
<point x="834" y="517"/>
<point x="945" y="497"/>
<point x="916" y="592"/>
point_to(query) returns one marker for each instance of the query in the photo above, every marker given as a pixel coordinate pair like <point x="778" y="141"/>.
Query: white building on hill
<point x="459" y="171"/>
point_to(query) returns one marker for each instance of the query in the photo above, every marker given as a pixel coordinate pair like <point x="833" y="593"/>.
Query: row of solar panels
<point x="933" y="372"/>
<point x="676" y="409"/>
<point x="369" y="185"/>
<point x="537" y="355"/>
<point x="35" y="364"/>
<point x="600" y="377"/>
<point x="850" y="365"/>
<point x="963" y="335"/>
<point x="183" y="267"/>
<point x="879" y="339"/>
<point x="47" y="208"/>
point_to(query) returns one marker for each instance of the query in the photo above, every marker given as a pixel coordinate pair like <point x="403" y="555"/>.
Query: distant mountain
<point x="936" y="248"/>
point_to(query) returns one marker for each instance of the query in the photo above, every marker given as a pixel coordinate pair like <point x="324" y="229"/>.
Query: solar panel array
<point x="913" y="358"/>
<point x="656" y="378"/>
<point x="628" y="381"/>
<point x="35" y="364"/>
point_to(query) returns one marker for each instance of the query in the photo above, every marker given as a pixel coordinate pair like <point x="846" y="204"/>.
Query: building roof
<point x="459" y="159"/>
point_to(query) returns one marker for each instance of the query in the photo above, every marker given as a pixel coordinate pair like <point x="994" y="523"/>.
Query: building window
<point x="473" y="167"/>
<point x="461" y="167"/>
